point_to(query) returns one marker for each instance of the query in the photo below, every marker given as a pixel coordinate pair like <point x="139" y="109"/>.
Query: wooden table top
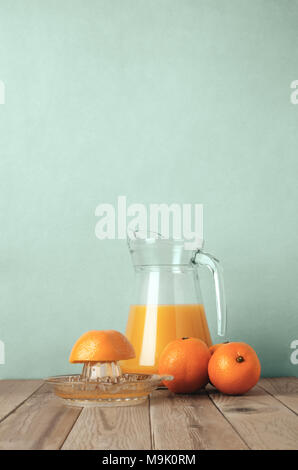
<point x="31" y="417"/>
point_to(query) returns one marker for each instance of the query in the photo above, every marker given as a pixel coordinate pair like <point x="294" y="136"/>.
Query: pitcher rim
<point x="151" y="237"/>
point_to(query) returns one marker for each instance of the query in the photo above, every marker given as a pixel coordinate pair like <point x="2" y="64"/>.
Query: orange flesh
<point x="151" y="327"/>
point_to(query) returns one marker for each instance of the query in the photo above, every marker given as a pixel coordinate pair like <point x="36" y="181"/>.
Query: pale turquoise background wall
<point x="161" y="101"/>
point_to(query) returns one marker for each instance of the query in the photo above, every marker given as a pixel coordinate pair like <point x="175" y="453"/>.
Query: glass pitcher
<point x="167" y="300"/>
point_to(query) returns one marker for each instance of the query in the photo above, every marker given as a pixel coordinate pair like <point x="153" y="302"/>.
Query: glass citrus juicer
<point x="167" y="300"/>
<point x="102" y="382"/>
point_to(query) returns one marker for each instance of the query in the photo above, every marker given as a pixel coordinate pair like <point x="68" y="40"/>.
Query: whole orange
<point x="234" y="368"/>
<point x="214" y="347"/>
<point x="187" y="360"/>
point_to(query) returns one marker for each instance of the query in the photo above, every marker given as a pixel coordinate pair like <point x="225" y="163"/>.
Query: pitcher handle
<point x="205" y="259"/>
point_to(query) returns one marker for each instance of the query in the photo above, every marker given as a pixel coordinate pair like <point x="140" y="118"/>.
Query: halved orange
<point x="101" y="346"/>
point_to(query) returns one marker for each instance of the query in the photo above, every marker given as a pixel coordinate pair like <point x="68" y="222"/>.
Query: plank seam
<point x="277" y="399"/>
<point x="21" y="403"/>
<point x="150" y="424"/>
<point x="71" y="428"/>
<point x="228" y="421"/>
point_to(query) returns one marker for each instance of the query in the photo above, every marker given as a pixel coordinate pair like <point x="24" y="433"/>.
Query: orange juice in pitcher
<point x="167" y="300"/>
<point x="151" y="327"/>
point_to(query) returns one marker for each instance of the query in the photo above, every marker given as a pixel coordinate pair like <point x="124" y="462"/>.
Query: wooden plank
<point x="189" y="422"/>
<point x="285" y="389"/>
<point x="111" y="428"/>
<point x="15" y="392"/>
<point x="41" y="422"/>
<point x="262" y="421"/>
